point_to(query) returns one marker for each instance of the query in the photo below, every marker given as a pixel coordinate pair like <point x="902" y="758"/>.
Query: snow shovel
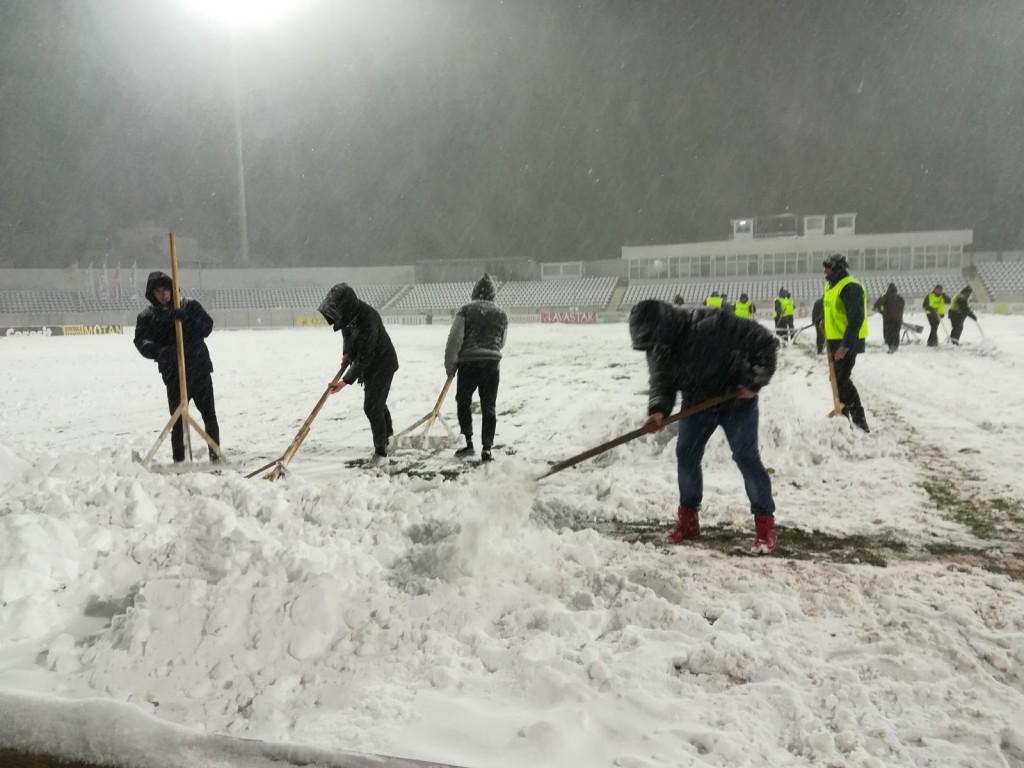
<point x="799" y="331"/>
<point x="420" y="441"/>
<point x="622" y="439"/>
<point x="277" y="466"/>
<point x="979" y="330"/>
<point x="837" y="409"/>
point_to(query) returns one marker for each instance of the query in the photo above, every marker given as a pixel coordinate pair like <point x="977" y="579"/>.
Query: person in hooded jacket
<point x="474" y="346"/>
<point x="846" y="328"/>
<point x="155" y="339"/>
<point x="368" y="355"/>
<point x="890" y="304"/>
<point x="783" y="311"/>
<point x="701" y="354"/>
<point x="934" y="306"/>
<point x="959" y="311"/>
<point x="745" y="307"/>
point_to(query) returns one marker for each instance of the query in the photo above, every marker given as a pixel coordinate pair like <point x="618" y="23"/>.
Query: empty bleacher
<point x="435" y="297"/>
<point x="39" y="301"/>
<point x="1002" y="279"/>
<point x="292" y="297"/>
<point x="804" y="289"/>
<point x="581" y="292"/>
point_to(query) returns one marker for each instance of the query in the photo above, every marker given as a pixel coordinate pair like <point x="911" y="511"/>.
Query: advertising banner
<point x="575" y="318"/>
<point x="91" y="330"/>
<point x="33" y="330"/>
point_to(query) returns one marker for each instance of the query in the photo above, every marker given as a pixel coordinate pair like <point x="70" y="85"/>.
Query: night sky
<point x="391" y="131"/>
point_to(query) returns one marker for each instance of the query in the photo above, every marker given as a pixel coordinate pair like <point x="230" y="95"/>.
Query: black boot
<point x="485" y="456"/>
<point x="467" y="450"/>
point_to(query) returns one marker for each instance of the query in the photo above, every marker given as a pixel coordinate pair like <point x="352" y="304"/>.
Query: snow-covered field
<point x="478" y="620"/>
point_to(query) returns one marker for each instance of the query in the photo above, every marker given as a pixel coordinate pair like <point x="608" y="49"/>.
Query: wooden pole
<point x="621" y="439"/>
<point x="179" y="339"/>
<point x="437" y="405"/>
<point x="283" y="460"/>
<point x="837" y="405"/>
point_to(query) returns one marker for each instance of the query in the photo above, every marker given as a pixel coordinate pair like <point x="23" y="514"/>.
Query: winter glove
<point x="166" y="355"/>
<point x="177" y="314"/>
<point x="450" y="372"/>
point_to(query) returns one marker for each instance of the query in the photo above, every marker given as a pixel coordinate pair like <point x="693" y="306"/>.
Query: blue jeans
<point x="739" y="420"/>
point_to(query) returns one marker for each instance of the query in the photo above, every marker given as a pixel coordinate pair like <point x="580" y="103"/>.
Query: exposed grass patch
<point x="794" y="543"/>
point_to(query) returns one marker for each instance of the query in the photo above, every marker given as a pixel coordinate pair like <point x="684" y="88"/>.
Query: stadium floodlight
<point x="243" y="13"/>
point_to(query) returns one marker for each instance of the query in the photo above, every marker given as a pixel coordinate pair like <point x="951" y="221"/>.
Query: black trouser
<point x="891" y="332"/>
<point x="784" y="327"/>
<point x="848" y="394"/>
<point x="376" y="387"/>
<point x="200" y="392"/>
<point x="956" y="325"/>
<point x="819" y="338"/>
<point x="933" y="321"/>
<point x="483" y="375"/>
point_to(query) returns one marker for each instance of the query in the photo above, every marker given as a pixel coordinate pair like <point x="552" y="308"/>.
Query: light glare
<point x="243" y="13"/>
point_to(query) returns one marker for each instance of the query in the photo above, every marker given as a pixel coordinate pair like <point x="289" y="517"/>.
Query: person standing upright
<point x="960" y="310"/>
<point x="934" y="305"/>
<point x="744" y="307"/>
<point x="784" y="315"/>
<point x="474" y="346"/>
<point x="890" y="304"/>
<point x="846" y="328"/>
<point x="156" y="339"/>
<point x="714" y="301"/>
<point x="700" y="355"/>
<point x="369" y="355"/>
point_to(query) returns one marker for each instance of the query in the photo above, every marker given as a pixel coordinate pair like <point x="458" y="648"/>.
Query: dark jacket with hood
<point x="478" y="331"/>
<point x="366" y="341"/>
<point x="155" y="336"/>
<point x="818" y="311"/>
<point x="961" y="307"/>
<point x="853" y="298"/>
<point x="700" y="353"/>
<point x="890" y="304"/>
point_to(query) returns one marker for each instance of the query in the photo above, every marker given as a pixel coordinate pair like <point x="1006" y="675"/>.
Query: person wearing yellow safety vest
<point x="846" y="327"/>
<point x="744" y="307"/>
<point x="934" y="306"/>
<point x="714" y="301"/>
<point x="784" y="314"/>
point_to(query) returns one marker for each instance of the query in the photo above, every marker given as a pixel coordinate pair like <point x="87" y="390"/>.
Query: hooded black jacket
<point x="701" y="353"/>
<point x="890" y="304"/>
<point x="366" y="341"/>
<point x="155" y="338"/>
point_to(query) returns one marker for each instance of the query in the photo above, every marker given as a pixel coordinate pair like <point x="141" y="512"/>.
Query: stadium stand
<point x="435" y="296"/>
<point x="584" y="292"/>
<point x="297" y="297"/>
<point x="1002" y="279"/>
<point x="804" y="289"/>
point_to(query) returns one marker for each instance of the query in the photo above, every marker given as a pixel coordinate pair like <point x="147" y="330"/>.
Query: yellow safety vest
<point x="786" y="307"/>
<point x="743" y="308"/>
<point x="937" y="304"/>
<point x="713" y="301"/>
<point x="835" y="311"/>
